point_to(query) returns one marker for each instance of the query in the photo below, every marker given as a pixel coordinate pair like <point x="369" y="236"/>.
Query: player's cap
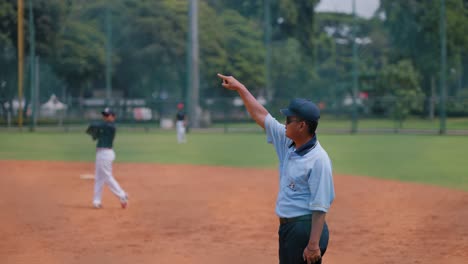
<point x="180" y="105"/>
<point x="107" y="111"/>
<point x="302" y="108"/>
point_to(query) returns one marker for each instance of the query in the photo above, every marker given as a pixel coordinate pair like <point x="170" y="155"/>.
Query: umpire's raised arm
<point x="256" y="110"/>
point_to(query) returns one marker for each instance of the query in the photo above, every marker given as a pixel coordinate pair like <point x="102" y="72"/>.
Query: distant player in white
<point x="180" y="123"/>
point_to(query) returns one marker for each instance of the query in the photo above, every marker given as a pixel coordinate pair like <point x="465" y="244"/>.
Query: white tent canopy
<point x="52" y="107"/>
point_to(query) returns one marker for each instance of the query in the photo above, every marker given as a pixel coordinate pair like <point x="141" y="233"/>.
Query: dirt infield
<point x="207" y="215"/>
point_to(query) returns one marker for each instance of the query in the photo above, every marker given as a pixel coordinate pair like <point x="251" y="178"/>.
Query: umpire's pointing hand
<point x="230" y="82"/>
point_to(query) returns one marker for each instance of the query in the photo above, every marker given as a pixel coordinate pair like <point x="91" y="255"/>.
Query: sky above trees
<point x="364" y="8"/>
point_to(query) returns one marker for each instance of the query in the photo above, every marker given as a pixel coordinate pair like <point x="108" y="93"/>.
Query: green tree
<point x="250" y="9"/>
<point x="289" y="73"/>
<point x="48" y="18"/>
<point x="151" y="46"/>
<point x="8" y="55"/>
<point x="413" y="28"/>
<point x="333" y="60"/>
<point x="79" y="56"/>
<point x="49" y="15"/>
<point x="398" y="86"/>
<point x="298" y="22"/>
<point x="242" y="44"/>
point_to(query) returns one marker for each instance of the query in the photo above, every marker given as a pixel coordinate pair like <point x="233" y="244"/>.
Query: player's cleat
<point x="124" y="202"/>
<point x="97" y="205"/>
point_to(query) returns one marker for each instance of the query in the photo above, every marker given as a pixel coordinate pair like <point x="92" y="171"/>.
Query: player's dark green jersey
<point x="180" y="115"/>
<point x="105" y="135"/>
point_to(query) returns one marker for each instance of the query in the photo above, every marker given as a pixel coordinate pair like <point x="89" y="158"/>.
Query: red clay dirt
<point x="207" y="215"/>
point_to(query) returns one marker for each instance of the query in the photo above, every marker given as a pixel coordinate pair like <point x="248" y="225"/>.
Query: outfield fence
<point x="374" y="114"/>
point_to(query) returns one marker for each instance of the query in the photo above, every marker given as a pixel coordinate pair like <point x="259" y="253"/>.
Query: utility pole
<point x="108" y="55"/>
<point x="355" y="72"/>
<point x="267" y="9"/>
<point x="20" y="61"/>
<point x="443" y="68"/>
<point x="36" y="90"/>
<point x="32" y="72"/>
<point x="193" y="66"/>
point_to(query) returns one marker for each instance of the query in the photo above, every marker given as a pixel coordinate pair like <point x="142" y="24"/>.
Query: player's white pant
<point x="103" y="175"/>
<point x="180" y="127"/>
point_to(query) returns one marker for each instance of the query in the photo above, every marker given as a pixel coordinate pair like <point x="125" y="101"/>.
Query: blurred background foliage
<point x="398" y="51"/>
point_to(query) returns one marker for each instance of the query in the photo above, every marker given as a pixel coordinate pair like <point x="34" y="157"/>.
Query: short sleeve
<point x="276" y="135"/>
<point x="321" y="185"/>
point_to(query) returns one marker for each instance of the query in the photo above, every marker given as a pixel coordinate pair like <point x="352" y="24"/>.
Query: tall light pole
<point x="20" y="61"/>
<point x="32" y="72"/>
<point x="355" y="72"/>
<point x="267" y="9"/>
<point x="108" y="55"/>
<point x="443" y="68"/>
<point x="193" y="82"/>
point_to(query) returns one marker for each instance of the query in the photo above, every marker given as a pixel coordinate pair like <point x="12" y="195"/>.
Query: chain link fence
<point x="375" y="114"/>
<point x="134" y="56"/>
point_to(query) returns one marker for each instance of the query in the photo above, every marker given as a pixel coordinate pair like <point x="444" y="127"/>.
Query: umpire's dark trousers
<point x="294" y="237"/>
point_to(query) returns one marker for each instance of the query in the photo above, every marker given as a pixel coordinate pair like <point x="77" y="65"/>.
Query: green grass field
<point x="329" y="122"/>
<point x="439" y="160"/>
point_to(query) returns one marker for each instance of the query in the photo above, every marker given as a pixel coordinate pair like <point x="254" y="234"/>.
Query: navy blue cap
<point x="302" y="108"/>
<point x="107" y="111"/>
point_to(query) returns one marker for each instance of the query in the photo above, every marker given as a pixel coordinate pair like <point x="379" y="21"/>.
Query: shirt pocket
<point x="297" y="177"/>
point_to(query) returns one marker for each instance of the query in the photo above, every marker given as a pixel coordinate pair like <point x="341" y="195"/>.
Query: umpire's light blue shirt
<point x="306" y="181"/>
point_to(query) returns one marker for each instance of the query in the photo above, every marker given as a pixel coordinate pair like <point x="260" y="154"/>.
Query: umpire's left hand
<point x="311" y="256"/>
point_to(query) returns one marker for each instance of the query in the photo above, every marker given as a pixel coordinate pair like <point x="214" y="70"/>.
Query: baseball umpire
<point x="306" y="188"/>
<point x="104" y="133"/>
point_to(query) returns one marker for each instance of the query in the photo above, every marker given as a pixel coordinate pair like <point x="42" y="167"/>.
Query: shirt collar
<point x="304" y="149"/>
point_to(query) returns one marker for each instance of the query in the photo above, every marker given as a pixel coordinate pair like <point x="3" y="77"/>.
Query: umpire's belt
<point x="301" y="218"/>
